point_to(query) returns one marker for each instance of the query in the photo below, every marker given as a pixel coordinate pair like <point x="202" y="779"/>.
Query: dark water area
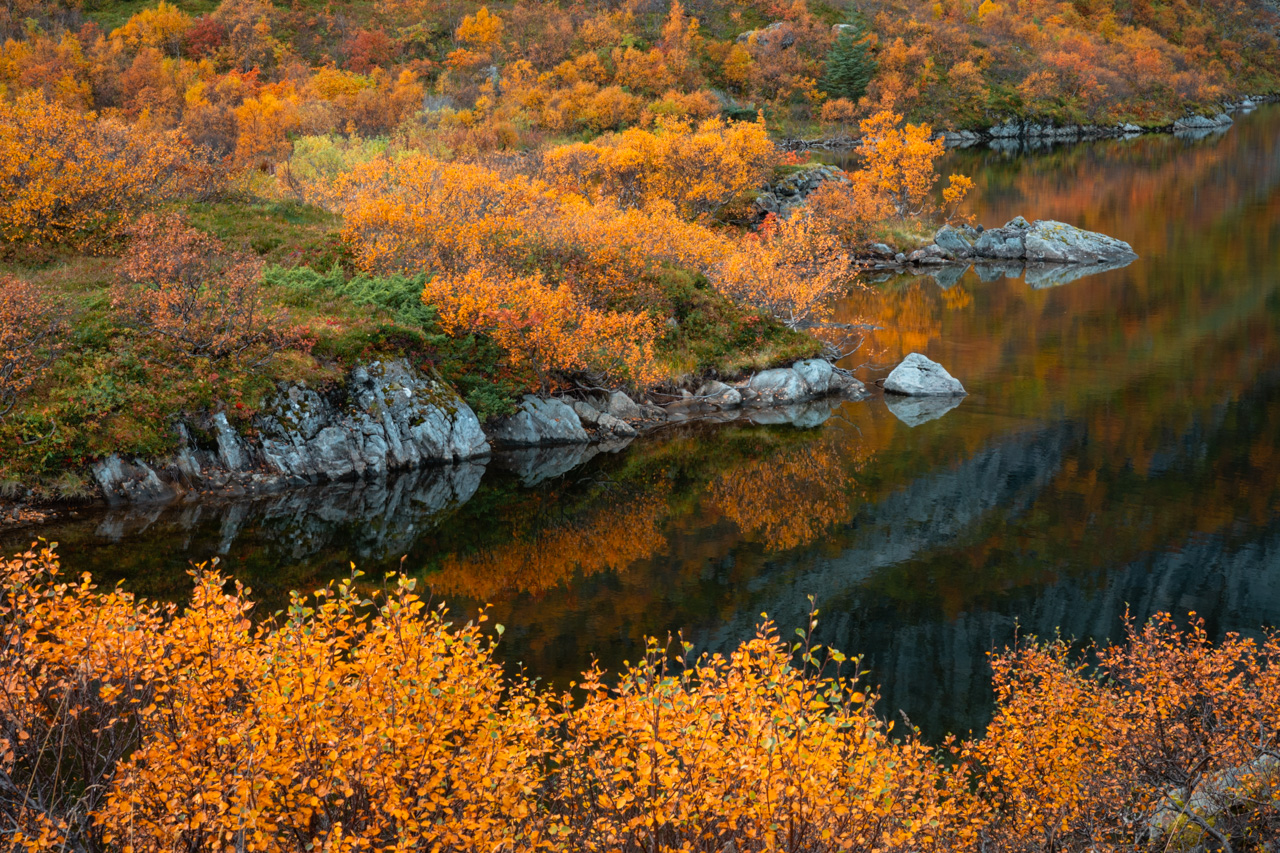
<point x="1120" y="447"/>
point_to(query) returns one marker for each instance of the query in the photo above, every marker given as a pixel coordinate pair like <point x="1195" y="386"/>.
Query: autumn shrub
<point x="32" y="332"/>
<point x="898" y="165"/>
<point x="69" y="178"/>
<point x="697" y="169"/>
<point x="1167" y="740"/>
<point x="547" y="326"/>
<point x="791" y="269"/>
<point x="198" y="300"/>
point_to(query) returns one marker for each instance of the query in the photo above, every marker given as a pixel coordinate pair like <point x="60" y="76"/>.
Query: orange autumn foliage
<point x="547" y="327"/>
<point x="68" y="177"/>
<point x="32" y="329"/>
<point x="196" y="299"/>
<point x="698" y="170"/>
<point x="360" y="719"/>
<point x="791" y="269"/>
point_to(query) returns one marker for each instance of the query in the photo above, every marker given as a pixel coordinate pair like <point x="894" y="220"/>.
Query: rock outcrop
<point x="1042" y="242"/>
<point x="540" y="422"/>
<point x="792" y="191"/>
<point x="918" y="376"/>
<point x="805" y="380"/>
<point x="384" y="417"/>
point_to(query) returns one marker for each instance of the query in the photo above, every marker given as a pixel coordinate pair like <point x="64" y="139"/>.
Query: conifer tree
<point x="850" y="64"/>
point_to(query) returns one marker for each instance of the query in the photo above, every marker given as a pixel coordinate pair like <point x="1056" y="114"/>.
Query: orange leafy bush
<point x="546" y="326"/>
<point x="67" y="176"/>
<point x="198" y="300"/>
<point x="360" y="719"/>
<point x="792" y="269"/>
<point x="31" y="336"/>
<point x="699" y="170"/>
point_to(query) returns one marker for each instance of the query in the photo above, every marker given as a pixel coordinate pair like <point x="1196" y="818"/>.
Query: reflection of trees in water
<point x="608" y="537"/>
<point x="791" y="497"/>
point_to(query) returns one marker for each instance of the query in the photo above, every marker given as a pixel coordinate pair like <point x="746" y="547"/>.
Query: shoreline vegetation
<point x="359" y="718"/>
<point x="200" y="202"/>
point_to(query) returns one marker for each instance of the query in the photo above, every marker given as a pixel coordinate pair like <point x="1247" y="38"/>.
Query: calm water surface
<point x="1120" y="447"/>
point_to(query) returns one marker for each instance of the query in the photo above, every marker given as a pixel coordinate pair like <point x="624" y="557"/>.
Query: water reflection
<point x="1120" y="445"/>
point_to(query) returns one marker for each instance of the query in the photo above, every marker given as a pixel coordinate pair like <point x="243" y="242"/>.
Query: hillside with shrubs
<point x="199" y="200"/>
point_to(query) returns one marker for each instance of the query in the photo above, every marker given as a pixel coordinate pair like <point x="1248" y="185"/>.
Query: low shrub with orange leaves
<point x="32" y="333"/>
<point x="359" y="719"/>
<point x="198" y="300"/>
<point x="67" y="177"/>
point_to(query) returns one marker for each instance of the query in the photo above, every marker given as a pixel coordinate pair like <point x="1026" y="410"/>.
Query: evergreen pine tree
<point x="850" y="64"/>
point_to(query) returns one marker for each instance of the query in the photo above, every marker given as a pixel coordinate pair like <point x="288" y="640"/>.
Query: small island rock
<point x="918" y="376"/>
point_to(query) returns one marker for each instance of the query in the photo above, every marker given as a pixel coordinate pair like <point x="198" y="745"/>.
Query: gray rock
<point x="650" y="412"/>
<point x="1058" y="242"/>
<point x="816" y="373"/>
<point x="622" y="406"/>
<point x="1194" y="123"/>
<point x="1222" y="119"/>
<point x="918" y="376"/>
<point x="954" y="241"/>
<point x="230" y="450"/>
<point x="616" y="426"/>
<point x="1001" y="243"/>
<point x="538" y="423"/>
<point x="883" y="250"/>
<point x="914" y="411"/>
<point x="1018" y="222"/>
<point x="777" y="387"/>
<point x="931" y="254"/>
<point x="134" y="482"/>
<point x="900" y="258"/>
<point x="719" y="395"/>
<point x="586" y="413"/>
<point x="1130" y="128"/>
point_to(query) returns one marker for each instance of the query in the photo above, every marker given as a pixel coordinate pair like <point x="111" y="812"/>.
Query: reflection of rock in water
<point x="1041" y="276"/>
<point x="914" y="411"/>
<point x="534" y="465"/>
<point x="801" y="415"/>
<point x="995" y="270"/>
<point x="380" y="517"/>
<point x="949" y="276"/>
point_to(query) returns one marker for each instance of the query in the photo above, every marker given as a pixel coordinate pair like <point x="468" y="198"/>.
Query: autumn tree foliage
<point x="68" y="177"/>
<point x="32" y="333"/>
<point x="196" y="299"/>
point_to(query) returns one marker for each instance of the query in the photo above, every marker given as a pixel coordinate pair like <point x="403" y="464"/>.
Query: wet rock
<point x="955" y="241"/>
<point x="1058" y="242"/>
<point x="540" y="422"/>
<point x="1196" y="123"/>
<point x="914" y="411"/>
<point x="882" y="250"/>
<point x="719" y="395"/>
<point x="816" y="373"/>
<point x="918" y="376"/>
<point x="776" y="387"/>
<point x="931" y="254"/>
<point x="621" y="406"/>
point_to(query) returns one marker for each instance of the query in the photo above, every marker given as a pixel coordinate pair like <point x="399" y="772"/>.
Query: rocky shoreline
<point x="1018" y="135"/>
<point x="388" y="417"/>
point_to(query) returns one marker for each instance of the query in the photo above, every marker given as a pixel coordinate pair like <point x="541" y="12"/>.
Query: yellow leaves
<point x="162" y="27"/>
<point x="483" y="28"/>
<point x="67" y="176"/>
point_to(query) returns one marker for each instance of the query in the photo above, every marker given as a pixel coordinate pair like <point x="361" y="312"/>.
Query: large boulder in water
<point x="918" y="376"/>
<point x="1058" y="242"/>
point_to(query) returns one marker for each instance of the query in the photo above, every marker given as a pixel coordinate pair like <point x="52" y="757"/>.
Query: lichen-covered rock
<point x="616" y="427"/>
<point x="621" y="406"/>
<point x="392" y="418"/>
<point x="1001" y="243"/>
<point x="956" y="242"/>
<point x="540" y="422"/>
<point x="133" y="482"/>
<point x="1058" y="242"/>
<point x="918" y="376"/>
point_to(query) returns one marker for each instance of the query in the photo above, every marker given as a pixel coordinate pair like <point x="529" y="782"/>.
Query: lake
<point x="1119" y="449"/>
